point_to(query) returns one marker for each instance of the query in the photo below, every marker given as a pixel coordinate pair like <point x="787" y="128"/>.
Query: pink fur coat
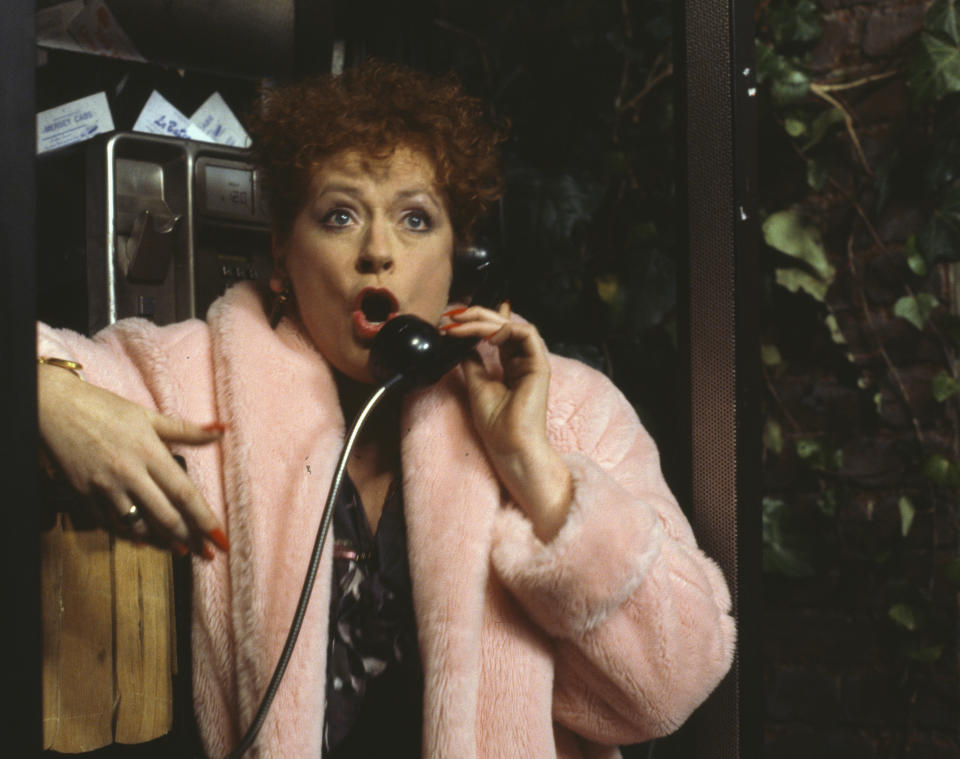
<point x="612" y="633"/>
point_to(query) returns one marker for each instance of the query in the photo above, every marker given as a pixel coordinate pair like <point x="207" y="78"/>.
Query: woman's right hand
<point x="116" y="454"/>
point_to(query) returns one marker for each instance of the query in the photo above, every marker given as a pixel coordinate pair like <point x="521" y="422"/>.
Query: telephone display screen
<point x="229" y="190"/>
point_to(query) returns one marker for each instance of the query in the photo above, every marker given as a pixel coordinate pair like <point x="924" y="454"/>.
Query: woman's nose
<point x="376" y="255"/>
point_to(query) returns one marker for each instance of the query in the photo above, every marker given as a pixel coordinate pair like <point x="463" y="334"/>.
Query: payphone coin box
<point x="170" y="224"/>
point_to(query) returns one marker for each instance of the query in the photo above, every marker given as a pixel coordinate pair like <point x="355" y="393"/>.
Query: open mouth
<point x="373" y="307"/>
<point x="377" y="305"/>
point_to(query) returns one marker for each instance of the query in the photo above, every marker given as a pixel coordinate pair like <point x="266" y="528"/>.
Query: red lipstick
<point x="372" y="307"/>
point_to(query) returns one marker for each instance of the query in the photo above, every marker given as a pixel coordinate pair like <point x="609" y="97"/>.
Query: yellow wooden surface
<point x="108" y="640"/>
<point x="144" y="652"/>
<point x="78" y="638"/>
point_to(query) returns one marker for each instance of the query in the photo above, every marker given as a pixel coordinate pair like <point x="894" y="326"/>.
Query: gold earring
<point x="279" y="305"/>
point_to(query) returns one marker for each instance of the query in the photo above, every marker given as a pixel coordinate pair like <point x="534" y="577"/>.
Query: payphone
<point x="131" y="225"/>
<point x="167" y="225"/>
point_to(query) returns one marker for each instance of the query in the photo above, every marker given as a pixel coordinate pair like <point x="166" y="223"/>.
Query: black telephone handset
<point x="410" y="352"/>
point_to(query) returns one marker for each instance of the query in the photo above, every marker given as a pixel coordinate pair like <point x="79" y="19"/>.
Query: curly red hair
<point x="375" y="108"/>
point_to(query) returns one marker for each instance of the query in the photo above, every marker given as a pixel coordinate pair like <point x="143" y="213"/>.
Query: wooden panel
<point x="78" y="639"/>
<point x="143" y="581"/>
<point x="108" y="640"/>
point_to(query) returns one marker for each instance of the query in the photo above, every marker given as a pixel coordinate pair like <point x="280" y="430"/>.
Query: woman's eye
<point x="417" y="220"/>
<point x="338" y="217"/>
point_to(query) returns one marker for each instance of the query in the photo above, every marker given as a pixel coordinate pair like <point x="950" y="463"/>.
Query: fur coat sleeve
<point x="639" y="615"/>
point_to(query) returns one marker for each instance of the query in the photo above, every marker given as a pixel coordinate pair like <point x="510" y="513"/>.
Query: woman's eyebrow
<point x="415" y="192"/>
<point x="347" y="189"/>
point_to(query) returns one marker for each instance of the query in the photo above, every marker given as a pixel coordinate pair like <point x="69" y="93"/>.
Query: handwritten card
<point x="73" y="122"/>
<point x="217" y="121"/>
<point x="160" y="116"/>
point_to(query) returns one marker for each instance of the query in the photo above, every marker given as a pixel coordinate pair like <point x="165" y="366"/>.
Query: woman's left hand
<point x="510" y="413"/>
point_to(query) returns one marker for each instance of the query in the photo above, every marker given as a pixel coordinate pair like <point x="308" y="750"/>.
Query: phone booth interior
<point x="156" y="227"/>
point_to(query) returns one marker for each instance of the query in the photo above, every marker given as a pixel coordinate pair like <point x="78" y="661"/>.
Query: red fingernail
<point x="179" y="548"/>
<point x="219" y="537"/>
<point x="455" y="311"/>
<point x="215" y="427"/>
<point x="206" y="551"/>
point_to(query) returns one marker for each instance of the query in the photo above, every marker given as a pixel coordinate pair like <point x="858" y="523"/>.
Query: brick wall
<point x="838" y="680"/>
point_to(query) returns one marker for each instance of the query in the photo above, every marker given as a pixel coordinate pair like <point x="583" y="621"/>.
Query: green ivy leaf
<point x="808" y="449"/>
<point x="944" y="386"/>
<point x="773" y="436"/>
<point x="817" y="175"/>
<point x="941" y="471"/>
<point x="791" y="87"/>
<point x="795" y="280"/>
<point x="790" y="233"/>
<point x="905" y="616"/>
<point x="609" y="290"/>
<point x="915" y="259"/>
<point x="795" y="127"/>
<point x="770" y="355"/>
<point x="822" y="125"/>
<point x="835" y="334"/>
<point x="916" y="309"/>
<point x="907" y="512"/>
<point x="943" y="17"/>
<point x="787" y="83"/>
<point x="794" y="22"/>
<point x="935" y="68"/>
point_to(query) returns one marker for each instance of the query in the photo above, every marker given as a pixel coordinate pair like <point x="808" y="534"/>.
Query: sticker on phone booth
<point x="73" y="122"/>
<point x="217" y="121"/>
<point x="160" y="116"/>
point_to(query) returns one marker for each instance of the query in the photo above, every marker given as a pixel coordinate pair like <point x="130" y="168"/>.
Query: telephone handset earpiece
<point x="417" y="352"/>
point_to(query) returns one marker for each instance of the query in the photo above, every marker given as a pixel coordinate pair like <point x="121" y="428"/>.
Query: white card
<point x="73" y="122"/>
<point x="217" y="121"/>
<point x="160" y="116"/>
<point x="96" y="31"/>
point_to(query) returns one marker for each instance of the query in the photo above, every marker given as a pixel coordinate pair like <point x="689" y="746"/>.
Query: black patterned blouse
<point x="374" y="678"/>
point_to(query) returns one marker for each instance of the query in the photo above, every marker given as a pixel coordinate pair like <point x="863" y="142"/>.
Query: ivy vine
<point x="838" y="192"/>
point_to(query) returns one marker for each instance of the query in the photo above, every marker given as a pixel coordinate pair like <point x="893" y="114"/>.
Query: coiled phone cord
<point x="261" y="715"/>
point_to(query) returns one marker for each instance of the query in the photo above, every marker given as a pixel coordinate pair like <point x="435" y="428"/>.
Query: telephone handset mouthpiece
<point x="411" y="352"/>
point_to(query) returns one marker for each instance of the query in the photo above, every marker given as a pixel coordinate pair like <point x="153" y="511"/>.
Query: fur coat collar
<point x="279" y="399"/>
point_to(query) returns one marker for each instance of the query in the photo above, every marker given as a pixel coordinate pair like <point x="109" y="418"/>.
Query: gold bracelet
<point x="71" y="366"/>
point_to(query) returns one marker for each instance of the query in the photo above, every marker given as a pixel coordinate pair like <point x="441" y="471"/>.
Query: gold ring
<point x="131" y="517"/>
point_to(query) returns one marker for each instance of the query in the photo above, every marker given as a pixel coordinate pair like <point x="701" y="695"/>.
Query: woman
<point x="510" y="575"/>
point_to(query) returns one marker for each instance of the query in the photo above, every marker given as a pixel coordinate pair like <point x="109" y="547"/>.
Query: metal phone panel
<point x="233" y="225"/>
<point x="170" y="224"/>
<point x="139" y="216"/>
